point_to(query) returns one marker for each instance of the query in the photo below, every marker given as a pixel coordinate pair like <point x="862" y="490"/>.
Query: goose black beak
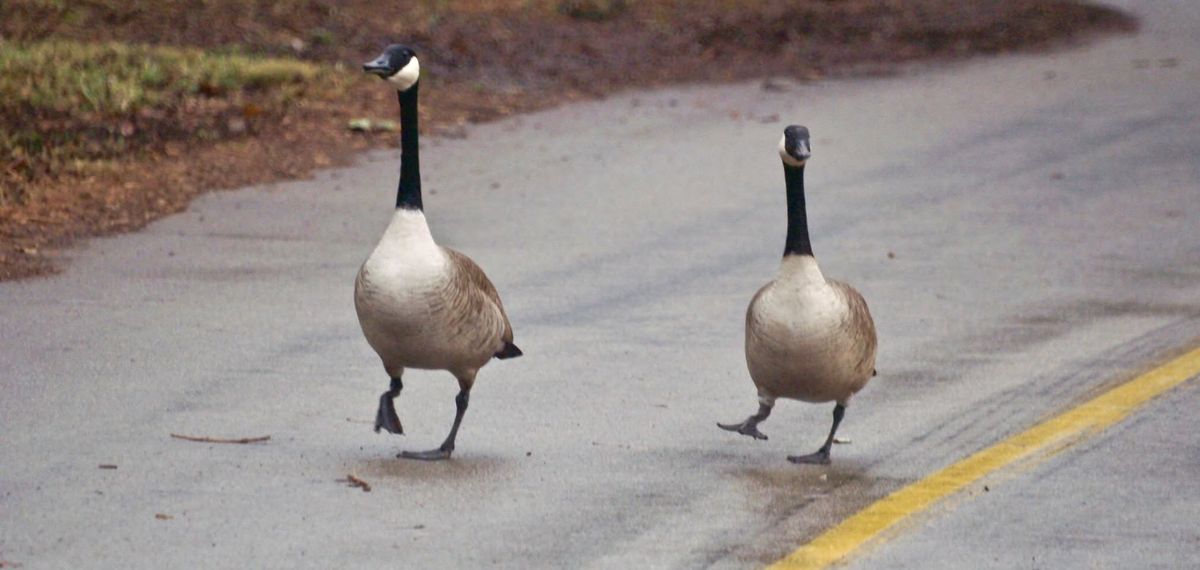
<point x="802" y="150"/>
<point x="378" y="67"/>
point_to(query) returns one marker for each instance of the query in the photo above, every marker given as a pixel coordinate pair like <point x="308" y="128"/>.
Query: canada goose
<point x="807" y="337"/>
<point x="421" y="305"/>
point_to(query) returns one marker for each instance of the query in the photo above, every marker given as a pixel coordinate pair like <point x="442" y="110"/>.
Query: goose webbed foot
<point x="438" y="454"/>
<point x="821" y="457"/>
<point x="385" y="417"/>
<point x="747" y="427"/>
<point x="447" y="447"/>
<point x="750" y="426"/>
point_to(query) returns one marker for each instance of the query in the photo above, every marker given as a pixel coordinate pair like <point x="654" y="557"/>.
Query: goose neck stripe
<point x="797" y="241"/>
<point x="1067" y="428"/>
<point x="408" y="192"/>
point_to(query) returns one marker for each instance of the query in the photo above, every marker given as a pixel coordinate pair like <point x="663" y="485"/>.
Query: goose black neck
<point x="797" y="235"/>
<point x="408" y="195"/>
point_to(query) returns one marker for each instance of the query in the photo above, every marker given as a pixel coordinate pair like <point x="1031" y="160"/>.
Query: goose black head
<point x="794" y="147"/>
<point x="397" y="64"/>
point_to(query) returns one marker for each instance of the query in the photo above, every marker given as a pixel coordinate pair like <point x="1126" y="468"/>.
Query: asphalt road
<point x="1024" y="229"/>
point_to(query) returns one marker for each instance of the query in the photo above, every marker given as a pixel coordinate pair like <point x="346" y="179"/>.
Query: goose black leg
<point x="750" y="426"/>
<point x="821" y="457"/>
<point x="386" y="417"/>
<point x="447" y="447"/>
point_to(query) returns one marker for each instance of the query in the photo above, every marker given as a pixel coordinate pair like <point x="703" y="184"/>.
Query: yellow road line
<point x="1086" y="419"/>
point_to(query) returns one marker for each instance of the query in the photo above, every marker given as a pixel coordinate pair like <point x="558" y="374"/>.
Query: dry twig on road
<point x="354" y="481"/>
<point x="221" y="440"/>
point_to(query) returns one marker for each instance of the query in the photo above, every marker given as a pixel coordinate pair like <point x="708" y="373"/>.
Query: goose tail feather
<point x="510" y="350"/>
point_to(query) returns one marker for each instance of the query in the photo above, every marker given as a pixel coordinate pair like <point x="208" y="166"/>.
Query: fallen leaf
<point x="354" y="481"/>
<point x="367" y="125"/>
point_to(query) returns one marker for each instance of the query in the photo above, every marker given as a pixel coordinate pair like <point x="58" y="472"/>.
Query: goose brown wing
<point x="478" y="287"/>
<point x="859" y="326"/>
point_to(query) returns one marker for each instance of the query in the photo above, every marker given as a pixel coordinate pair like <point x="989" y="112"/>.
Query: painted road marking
<point x="1068" y="427"/>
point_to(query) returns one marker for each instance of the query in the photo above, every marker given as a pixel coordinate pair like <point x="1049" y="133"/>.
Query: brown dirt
<point x="485" y="59"/>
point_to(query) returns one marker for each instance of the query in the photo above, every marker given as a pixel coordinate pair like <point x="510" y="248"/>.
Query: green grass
<point x="114" y="78"/>
<point x="64" y="103"/>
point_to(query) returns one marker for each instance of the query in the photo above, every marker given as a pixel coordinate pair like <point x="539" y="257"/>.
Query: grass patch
<point x="64" y="103"/>
<point x="114" y="78"/>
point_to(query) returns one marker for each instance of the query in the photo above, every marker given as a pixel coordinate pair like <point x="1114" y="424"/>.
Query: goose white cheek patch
<point x="407" y="76"/>
<point x="787" y="158"/>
